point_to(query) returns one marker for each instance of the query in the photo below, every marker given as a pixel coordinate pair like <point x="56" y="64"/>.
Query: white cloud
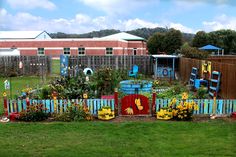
<point x="220" y="22"/>
<point x="136" y="23"/>
<point x="81" y="23"/>
<point x="32" y="4"/>
<point x="180" y="27"/>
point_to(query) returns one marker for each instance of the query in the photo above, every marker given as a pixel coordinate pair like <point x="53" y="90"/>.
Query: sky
<point x="82" y="16"/>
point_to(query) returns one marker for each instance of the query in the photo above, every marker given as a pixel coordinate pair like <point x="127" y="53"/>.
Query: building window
<point x="109" y="51"/>
<point x="81" y="51"/>
<point x="40" y="51"/>
<point x="135" y="51"/>
<point x="66" y="51"/>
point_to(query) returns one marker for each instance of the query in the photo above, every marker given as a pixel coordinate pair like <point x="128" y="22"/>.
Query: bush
<point x="33" y="113"/>
<point x="202" y="93"/>
<point x="192" y="52"/>
<point x="75" y="112"/>
<point x="106" y="80"/>
<point x="72" y="88"/>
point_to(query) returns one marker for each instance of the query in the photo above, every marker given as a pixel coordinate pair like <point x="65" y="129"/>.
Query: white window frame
<point x="64" y="50"/>
<point x="41" y="49"/>
<point x="82" y="50"/>
<point x="109" y="49"/>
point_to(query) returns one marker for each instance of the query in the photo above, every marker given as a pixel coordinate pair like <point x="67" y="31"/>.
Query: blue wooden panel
<point x="94" y="111"/>
<point x="157" y="105"/>
<point x="69" y="102"/>
<point x="104" y="102"/>
<point x="48" y="105"/>
<point x="20" y="107"/>
<point x="220" y="107"/>
<point x="211" y="103"/>
<point x="113" y="104"/>
<point x="61" y="106"/>
<point x="52" y="106"/>
<point x="206" y="106"/>
<point x="89" y="103"/>
<point x="24" y="104"/>
<point x="99" y="105"/>
<point x="11" y="106"/>
<point x="65" y="105"/>
<point x="234" y="105"/>
<point x="224" y="106"/>
<point x="165" y="102"/>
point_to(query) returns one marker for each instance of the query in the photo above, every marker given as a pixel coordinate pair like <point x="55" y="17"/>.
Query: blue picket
<point x="205" y="105"/>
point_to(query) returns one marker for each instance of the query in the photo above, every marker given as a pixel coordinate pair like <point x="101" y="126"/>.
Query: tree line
<point x="172" y="42"/>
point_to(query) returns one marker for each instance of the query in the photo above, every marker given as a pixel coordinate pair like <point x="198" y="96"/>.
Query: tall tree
<point x="200" y="39"/>
<point x="225" y="39"/>
<point x="155" y="43"/>
<point x="173" y="41"/>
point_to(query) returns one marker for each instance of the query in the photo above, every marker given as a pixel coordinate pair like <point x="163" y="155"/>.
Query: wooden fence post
<point x="153" y="102"/>
<point x="116" y="101"/>
<point x="214" y="104"/>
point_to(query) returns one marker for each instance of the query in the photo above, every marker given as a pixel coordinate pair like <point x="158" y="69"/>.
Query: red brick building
<point x="117" y="44"/>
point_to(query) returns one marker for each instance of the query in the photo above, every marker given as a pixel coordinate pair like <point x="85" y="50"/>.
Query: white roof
<point x="164" y="56"/>
<point x="20" y="34"/>
<point x="123" y="36"/>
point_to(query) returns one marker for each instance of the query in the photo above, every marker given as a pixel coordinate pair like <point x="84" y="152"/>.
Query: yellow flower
<point x="4" y="94"/>
<point x="195" y="107"/>
<point x="185" y="96"/>
<point x="85" y="95"/>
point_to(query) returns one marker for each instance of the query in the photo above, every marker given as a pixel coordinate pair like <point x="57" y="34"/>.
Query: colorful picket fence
<point x="205" y="106"/>
<point x="60" y="106"/>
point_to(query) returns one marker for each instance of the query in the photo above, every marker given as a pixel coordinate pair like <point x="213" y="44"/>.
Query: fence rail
<point x="31" y="65"/>
<point x="114" y="62"/>
<point x="205" y="106"/>
<point x="60" y="106"/>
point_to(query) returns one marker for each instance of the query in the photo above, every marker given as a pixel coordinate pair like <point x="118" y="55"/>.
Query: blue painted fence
<point x="61" y="105"/>
<point x="205" y="106"/>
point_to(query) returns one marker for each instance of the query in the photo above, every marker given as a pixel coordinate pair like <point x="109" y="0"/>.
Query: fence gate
<point x="135" y="104"/>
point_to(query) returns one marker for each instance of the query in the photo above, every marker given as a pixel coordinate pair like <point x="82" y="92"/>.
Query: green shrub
<point x="202" y="93"/>
<point x="33" y="113"/>
<point x="75" y="112"/>
<point x="192" y="52"/>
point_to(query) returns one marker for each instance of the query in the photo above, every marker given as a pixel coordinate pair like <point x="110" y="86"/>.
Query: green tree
<point x="173" y="41"/>
<point x="200" y="39"/>
<point x="167" y="42"/>
<point x="225" y="39"/>
<point x="155" y="43"/>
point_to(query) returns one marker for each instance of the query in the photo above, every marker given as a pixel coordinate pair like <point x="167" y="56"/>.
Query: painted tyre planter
<point x="135" y="86"/>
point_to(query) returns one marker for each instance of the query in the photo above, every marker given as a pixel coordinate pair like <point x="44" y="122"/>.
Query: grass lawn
<point x="214" y="138"/>
<point x="56" y="66"/>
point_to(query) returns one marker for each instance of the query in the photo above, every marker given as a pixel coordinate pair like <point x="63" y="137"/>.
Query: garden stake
<point x="116" y="101"/>
<point x="5" y="104"/>
<point x="214" y="103"/>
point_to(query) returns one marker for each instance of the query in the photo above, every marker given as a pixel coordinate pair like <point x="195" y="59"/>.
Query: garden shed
<point x="164" y="66"/>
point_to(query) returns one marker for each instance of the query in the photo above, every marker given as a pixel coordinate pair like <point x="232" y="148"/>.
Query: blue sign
<point x="64" y="63"/>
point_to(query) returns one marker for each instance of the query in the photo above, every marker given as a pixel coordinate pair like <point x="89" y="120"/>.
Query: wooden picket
<point x="205" y="106"/>
<point x="60" y="106"/>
